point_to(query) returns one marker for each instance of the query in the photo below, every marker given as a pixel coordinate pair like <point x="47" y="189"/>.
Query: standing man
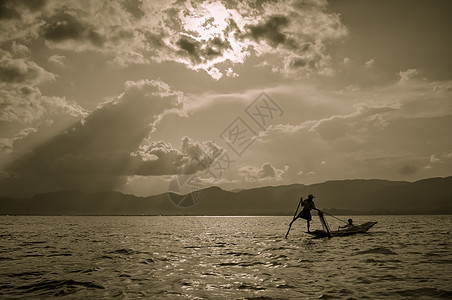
<point x="305" y="213"/>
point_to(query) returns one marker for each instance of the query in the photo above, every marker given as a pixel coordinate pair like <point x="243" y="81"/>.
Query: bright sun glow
<point x="207" y="21"/>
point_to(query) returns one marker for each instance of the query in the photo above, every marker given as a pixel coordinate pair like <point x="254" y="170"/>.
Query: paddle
<point x="294" y="217"/>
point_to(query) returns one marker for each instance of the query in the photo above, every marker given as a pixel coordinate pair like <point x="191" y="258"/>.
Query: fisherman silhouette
<point x="305" y="213"/>
<point x="350" y="225"/>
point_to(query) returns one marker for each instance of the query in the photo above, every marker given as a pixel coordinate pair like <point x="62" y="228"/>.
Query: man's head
<point x="311" y="196"/>
<point x="350" y="221"/>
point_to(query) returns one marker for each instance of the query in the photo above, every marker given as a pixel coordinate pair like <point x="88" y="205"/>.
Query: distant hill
<point x="429" y="196"/>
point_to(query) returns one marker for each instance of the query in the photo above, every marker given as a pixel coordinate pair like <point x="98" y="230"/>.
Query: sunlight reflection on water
<point x="222" y="258"/>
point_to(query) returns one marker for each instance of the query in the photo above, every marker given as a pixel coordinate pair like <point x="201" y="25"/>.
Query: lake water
<point x="222" y="258"/>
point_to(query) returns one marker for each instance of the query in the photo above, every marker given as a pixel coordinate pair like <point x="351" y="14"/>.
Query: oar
<point x="294" y="216"/>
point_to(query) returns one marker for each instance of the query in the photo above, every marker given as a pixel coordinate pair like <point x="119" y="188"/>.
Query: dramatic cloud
<point x="111" y="143"/>
<point x="7" y="144"/>
<point x="408" y="75"/>
<point x="11" y="9"/>
<point x="160" y="158"/>
<point x="361" y="123"/>
<point x="134" y="7"/>
<point x="16" y="68"/>
<point x="389" y="129"/>
<point x="26" y="105"/>
<point x="290" y="36"/>
<point x="270" y="31"/>
<point x="19" y="19"/>
<point x="264" y="172"/>
<point x="65" y="26"/>
<point x="22" y="106"/>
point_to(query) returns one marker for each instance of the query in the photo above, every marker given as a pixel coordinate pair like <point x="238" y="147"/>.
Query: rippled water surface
<point x="222" y="258"/>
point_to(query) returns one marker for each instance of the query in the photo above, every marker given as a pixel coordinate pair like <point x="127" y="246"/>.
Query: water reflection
<point x="228" y="257"/>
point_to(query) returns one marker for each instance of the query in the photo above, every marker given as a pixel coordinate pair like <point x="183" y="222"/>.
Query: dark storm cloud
<point x="215" y="47"/>
<point x="11" y="9"/>
<point x="34" y="5"/>
<point x="134" y="7"/>
<point x="8" y="10"/>
<point x="270" y="30"/>
<point x="190" y="47"/>
<point x="202" y="52"/>
<point x="64" y="25"/>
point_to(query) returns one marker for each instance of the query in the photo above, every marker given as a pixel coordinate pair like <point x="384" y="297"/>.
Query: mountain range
<point x="351" y="197"/>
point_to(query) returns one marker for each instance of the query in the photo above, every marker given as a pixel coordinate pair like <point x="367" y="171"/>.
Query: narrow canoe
<point x="363" y="228"/>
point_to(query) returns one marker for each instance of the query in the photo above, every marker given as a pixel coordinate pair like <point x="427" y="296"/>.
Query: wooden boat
<point x="363" y="228"/>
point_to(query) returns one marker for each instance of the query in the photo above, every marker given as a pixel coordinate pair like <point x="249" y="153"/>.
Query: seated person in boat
<point x="305" y="213"/>
<point x="350" y="225"/>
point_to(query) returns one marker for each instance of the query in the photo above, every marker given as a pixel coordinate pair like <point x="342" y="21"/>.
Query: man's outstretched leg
<point x="293" y="221"/>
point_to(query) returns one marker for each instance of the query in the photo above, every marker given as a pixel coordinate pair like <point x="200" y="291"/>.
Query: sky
<point x="146" y="97"/>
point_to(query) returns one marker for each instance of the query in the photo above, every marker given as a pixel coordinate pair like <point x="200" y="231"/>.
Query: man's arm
<point x="313" y="206"/>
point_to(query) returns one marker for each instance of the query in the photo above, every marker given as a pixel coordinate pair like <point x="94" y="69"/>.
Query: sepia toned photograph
<point x="225" y="149"/>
